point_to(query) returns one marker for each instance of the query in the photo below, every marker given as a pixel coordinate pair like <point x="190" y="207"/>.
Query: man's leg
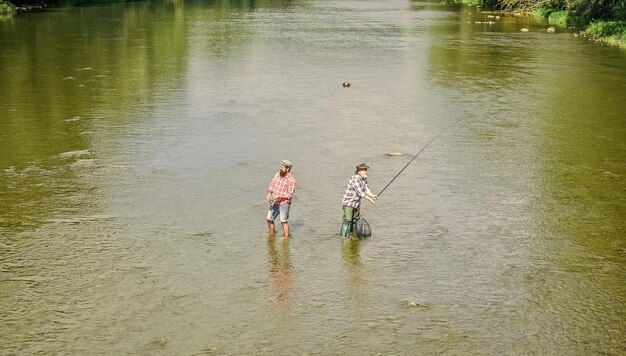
<point x="271" y="215"/>
<point x="285" y="229"/>
<point x="284" y="217"/>
<point x="270" y="227"/>
<point x="348" y="216"/>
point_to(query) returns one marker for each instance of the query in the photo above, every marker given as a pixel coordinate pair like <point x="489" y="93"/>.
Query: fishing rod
<point x="418" y="153"/>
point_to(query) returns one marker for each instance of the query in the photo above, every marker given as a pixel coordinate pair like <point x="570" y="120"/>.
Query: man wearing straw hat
<point x="279" y="195"/>
<point x="356" y="190"/>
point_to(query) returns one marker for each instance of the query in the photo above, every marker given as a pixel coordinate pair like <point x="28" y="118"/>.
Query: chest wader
<point x="350" y="216"/>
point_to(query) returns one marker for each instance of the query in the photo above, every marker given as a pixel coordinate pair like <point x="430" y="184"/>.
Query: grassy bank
<point x="600" y="20"/>
<point x="612" y="32"/>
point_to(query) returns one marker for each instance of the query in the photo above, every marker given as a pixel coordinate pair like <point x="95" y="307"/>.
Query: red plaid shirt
<point x="283" y="186"/>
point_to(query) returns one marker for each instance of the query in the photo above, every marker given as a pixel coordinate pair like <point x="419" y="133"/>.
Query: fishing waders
<point x="350" y="215"/>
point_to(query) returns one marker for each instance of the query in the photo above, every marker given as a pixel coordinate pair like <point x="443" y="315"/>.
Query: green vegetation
<point x="602" y="20"/>
<point x="561" y="17"/>
<point x="604" y="25"/>
<point x="6" y="8"/>
<point x="591" y="9"/>
<point x="611" y="32"/>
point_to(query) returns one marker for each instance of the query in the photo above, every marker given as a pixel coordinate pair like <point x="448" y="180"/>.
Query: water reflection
<point x="477" y="55"/>
<point x="280" y="271"/>
<point x="114" y="120"/>
<point x="353" y="266"/>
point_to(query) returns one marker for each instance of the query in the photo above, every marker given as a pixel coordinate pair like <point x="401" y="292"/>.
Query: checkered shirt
<point x="355" y="191"/>
<point x="283" y="186"/>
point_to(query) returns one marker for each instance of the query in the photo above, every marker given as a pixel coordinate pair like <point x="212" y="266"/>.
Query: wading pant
<point x="350" y="215"/>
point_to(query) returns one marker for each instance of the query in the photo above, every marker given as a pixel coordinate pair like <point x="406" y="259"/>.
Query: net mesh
<point x="363" y="229"/>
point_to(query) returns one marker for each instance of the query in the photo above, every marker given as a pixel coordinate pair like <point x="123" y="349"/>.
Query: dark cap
<point x="362" y="167"/>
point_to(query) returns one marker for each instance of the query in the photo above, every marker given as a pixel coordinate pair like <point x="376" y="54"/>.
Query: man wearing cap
<point x="356" y="190"/>
<point x="279" y="195"/>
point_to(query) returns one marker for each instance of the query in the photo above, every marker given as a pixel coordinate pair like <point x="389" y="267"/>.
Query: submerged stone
<point x="76" y="153"/>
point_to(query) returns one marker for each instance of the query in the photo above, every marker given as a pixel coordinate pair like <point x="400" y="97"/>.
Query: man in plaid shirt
<point x="356" y="190"/>
<point x="279" y="195"/>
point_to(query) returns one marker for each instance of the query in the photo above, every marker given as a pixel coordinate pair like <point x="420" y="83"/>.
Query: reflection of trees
<point x="582" y="171"/>
<point x="222" y="5"/>
<point x="580" y="211"/>
<point x="62" y="72"/>
<point x="58" y="70"/>
<point x="458" y="54"/>
<point x="280" y="270"/>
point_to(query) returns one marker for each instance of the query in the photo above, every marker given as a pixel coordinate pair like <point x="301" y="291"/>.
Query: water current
<point x="137" y="139"/>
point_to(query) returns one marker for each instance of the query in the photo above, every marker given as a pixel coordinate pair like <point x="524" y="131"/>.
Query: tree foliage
<point x="6" y="8"/>
<point x="591" y="9"/>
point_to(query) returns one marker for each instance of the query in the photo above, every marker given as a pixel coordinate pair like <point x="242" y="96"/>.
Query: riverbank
<point x="608" y="28"/>
<point x="612" y="32"/>
<point x="8" y="8"/>
<point x="609" y="32"/>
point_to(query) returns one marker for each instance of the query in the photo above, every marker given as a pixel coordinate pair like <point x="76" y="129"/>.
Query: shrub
<point x="542" y="12"/>
<point x="558" y="17"/>
<point x="592" y="9"/>
<point x="6" y="8"/>
<point x="611" y="32"/>
<point x="607" y="29"/>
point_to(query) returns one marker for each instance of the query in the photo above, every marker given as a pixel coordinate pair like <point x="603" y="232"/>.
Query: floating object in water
<point x="86" y="68"/>
<point x="77" y="220"/>
<point x="395" y="154"/>
<point x="159" y="343"/>
<point x="414" y="157"/>
<point x="69" y="78"/>
<point x="609" y="174"/>
<point x="524" y="29"/>
<point x="203" y="234"/>
<point x="75" y="153"/>
<point x="346" y="84"/>
<point x="413" y="304"/>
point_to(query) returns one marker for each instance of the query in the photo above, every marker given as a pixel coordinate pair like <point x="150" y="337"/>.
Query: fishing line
<point x="418" y="153"/>
<point x="240" y="209"/>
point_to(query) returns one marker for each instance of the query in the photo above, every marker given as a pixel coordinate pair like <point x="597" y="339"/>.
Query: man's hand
<point x="369" y="193"/>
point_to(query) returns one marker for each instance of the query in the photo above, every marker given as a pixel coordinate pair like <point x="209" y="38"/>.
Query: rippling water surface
<point x="137" y="140"/>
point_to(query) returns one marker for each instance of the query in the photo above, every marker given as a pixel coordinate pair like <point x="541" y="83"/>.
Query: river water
<point x="137" y="140"/>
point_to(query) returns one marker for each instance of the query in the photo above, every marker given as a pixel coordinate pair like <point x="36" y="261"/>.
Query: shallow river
<point x="137" y="142"/>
